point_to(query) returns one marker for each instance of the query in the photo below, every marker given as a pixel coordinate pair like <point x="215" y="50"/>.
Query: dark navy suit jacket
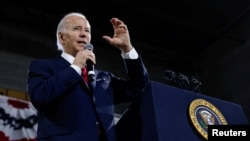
<point x="65" y="104"/>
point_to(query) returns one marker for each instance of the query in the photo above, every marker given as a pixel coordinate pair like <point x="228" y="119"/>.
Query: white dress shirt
<point x="132" y="54"/>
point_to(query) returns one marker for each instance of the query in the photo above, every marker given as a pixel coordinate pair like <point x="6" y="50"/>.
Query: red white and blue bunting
<point x="18" y="120"/>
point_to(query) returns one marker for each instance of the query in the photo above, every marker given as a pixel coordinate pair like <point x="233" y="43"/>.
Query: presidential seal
<point x="203" y="113"/>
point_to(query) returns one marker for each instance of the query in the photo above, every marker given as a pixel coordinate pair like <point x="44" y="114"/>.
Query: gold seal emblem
<point x="203" y="113"/>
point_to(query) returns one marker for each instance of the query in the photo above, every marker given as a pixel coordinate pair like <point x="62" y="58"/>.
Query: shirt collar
<point x="68" y="57"/>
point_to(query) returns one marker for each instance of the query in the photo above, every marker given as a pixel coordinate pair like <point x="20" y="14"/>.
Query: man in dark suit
<point x="70" y="108"/>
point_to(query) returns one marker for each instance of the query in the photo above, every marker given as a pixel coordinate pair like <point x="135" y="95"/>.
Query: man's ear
<point x="61" y="37"/>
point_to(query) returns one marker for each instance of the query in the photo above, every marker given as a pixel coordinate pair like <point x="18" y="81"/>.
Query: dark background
<point x="207" y="39"/>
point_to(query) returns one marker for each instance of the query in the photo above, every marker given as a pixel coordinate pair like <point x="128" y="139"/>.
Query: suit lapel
<point x="62" y="64"/>
<point x="92" y="86"/>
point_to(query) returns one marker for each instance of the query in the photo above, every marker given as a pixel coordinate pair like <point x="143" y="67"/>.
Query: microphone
<point x="90" y="65"/>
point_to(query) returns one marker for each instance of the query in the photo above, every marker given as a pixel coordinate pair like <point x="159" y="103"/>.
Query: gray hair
<point x="62" y="26"/>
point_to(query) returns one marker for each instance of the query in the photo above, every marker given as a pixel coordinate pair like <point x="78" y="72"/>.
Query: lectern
<point x="167" y="113"/>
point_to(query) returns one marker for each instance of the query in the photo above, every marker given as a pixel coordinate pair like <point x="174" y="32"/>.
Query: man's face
<point x="76" y="35"/>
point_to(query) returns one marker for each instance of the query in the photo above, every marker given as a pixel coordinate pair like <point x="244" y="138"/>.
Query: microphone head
<point x="89" y="47"/>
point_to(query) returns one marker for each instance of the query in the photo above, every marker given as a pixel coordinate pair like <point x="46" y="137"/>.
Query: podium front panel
<point x="162" y="114"/>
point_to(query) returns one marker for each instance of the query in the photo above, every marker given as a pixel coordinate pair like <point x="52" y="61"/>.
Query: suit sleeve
<point x="46" y="83"/>
<point x="137" y="82"/>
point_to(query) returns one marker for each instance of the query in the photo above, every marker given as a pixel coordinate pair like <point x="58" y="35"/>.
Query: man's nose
<point x="82" y="34"/>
